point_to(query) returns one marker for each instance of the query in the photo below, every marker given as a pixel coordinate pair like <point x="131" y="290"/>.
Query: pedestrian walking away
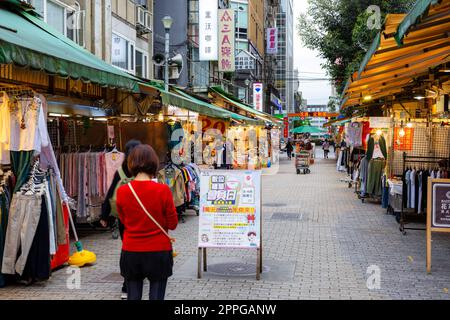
<point x="289" y="149"/>
<point x="147" y="211"/>
<point x="326" y="149"/>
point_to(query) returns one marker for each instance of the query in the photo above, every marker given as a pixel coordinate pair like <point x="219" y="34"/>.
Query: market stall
<point x="404" y="78"/>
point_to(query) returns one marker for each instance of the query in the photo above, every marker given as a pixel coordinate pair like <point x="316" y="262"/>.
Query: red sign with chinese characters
<point x="286" y="127"/>
<point x="226" y="41"/>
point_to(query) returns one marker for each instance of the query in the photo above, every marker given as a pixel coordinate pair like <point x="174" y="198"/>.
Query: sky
<point x="305" y="60"/>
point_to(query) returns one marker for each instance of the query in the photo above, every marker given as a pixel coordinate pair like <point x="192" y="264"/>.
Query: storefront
<point x="403" y="137"/>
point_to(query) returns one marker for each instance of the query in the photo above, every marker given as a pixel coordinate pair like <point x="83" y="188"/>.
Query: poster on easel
<point x="230" y="209"/>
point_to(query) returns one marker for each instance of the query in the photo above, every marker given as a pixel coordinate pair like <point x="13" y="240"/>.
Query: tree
<point x="341" y="31"/>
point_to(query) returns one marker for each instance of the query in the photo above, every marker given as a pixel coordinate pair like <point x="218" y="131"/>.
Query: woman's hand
<point x="104" y="223"/>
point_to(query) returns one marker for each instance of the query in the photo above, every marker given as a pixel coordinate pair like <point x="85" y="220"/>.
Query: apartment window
<point x="141" y="2"/>
<point x="123" y="53"/>
<point x="141" y="64"/>
<point x="67" y="20"/>
<point x="56" y="16"/>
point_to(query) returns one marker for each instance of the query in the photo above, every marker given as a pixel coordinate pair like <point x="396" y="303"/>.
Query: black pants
<point x="157" y="289"/>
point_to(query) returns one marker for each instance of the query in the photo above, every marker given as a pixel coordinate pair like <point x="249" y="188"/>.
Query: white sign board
<point x="258" y="91"/>
<point x="226" y="41"/>
<point x="380" y="122"/>
<point x="208" y="30"/>
<point x="272" y="41"/>
<point x="230" y="209"/>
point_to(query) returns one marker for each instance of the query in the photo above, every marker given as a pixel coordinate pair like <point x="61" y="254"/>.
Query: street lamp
<point x="247" y="90"/>
<point x="167" y="22"/>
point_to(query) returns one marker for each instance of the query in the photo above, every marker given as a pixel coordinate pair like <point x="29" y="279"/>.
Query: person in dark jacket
<point x="289" y="149"/>
<point x="106" y="206"/>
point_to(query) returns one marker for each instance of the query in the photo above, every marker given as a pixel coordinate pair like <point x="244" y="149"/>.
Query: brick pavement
<point x="329" y="244"/>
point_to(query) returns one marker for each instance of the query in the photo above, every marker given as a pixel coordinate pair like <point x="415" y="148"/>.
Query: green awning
<point x="233" y="100"/>
<point x="183" y="102"/>
<point x="420" y="8"/>
<point x="27" y="41"/>
<point x="307" y="129"/>
<point x="230" y="114"/>
<point x="373" y="48"/>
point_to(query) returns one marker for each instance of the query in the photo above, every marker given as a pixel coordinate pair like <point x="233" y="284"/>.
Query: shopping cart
<point x="302" y="162"/>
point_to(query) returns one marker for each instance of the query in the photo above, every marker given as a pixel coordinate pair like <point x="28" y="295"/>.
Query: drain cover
<point x="285" y="216"/>
<point x="274" y="205"/>
<point x="235" y="269"/>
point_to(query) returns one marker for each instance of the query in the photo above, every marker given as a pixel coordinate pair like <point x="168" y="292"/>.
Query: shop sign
<point x="380" y="122"/>
<point x="210" y="123"/>
<point x="208" y="30"/>
<point x="438" y="211"/>
<point x="258" y="91"/>
<point x="226" y="41"/>
<point x="230" y="209"/>
<point x="272" y="41"/>
<point x="313" y="115"/>
<point x="441" y="205"/>
<point x="286" y="127"/>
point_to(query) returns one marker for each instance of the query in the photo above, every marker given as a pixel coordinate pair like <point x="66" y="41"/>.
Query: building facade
<point x="249" y="15"/>
<point x="285" y="56"/>
<point x="119" y="32"/>
<point x="272" y="103"/>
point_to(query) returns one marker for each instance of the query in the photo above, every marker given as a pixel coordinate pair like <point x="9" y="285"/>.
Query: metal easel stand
<point x="415" y="159"/>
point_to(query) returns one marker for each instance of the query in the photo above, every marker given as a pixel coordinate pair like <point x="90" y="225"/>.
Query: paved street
<point x="319" y="241"/>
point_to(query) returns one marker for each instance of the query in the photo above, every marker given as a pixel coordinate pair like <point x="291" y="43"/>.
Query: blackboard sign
<point x="438" y="211"/>
<point x="441" y="205"/>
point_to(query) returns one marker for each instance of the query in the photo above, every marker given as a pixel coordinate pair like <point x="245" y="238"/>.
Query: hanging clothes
<point x="364" y="173"/>
<point x="28" y="126"/>
<point x="376" y="148"/>
<point x="173" y="177"/>
<point x="85" y="179"/>
<point x="113" y="162"/>
<point x="375" y="172"/>
<point x="6" y="188"/>
<point x="354" y="134"/>
<point x="5" y="129"/>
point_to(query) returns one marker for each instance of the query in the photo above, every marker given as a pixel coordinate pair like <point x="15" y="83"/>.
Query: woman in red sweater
<point x="146" y="249"/>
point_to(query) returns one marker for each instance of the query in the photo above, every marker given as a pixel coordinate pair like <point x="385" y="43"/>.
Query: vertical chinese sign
<point x="272" y="41"/>
<point x="226" y="41"/>
<point x="230" y="209"/>
<point x="208" y="43"/>
<point x="258" y="96"/>
<point x="286" y="127"/>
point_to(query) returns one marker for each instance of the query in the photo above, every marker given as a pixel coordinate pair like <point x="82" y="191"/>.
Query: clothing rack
<point x="412" y="160"/>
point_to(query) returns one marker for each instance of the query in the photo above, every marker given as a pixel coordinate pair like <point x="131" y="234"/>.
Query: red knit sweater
<point x="141" y="233"/>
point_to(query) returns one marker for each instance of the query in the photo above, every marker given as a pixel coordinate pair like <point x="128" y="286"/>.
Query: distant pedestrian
<point x="289" y="149"/>
<point x="326" y="149"/>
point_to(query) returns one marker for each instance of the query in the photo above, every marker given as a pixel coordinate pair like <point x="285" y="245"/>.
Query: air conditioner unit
<point x="140" y="16"/>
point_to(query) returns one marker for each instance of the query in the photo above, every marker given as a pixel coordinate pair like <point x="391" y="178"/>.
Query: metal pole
<point x="167" y="53"/>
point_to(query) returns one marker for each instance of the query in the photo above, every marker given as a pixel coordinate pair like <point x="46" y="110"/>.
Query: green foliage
<point x="339" y="31"/>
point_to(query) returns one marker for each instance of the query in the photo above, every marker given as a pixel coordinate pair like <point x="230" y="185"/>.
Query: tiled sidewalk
<point x="319" y="241"/>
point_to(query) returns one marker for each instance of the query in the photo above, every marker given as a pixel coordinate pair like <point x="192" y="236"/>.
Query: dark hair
<point x="143" y="159"/>
<point x="252" y="233"/>
<point x="130" y="146"/>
